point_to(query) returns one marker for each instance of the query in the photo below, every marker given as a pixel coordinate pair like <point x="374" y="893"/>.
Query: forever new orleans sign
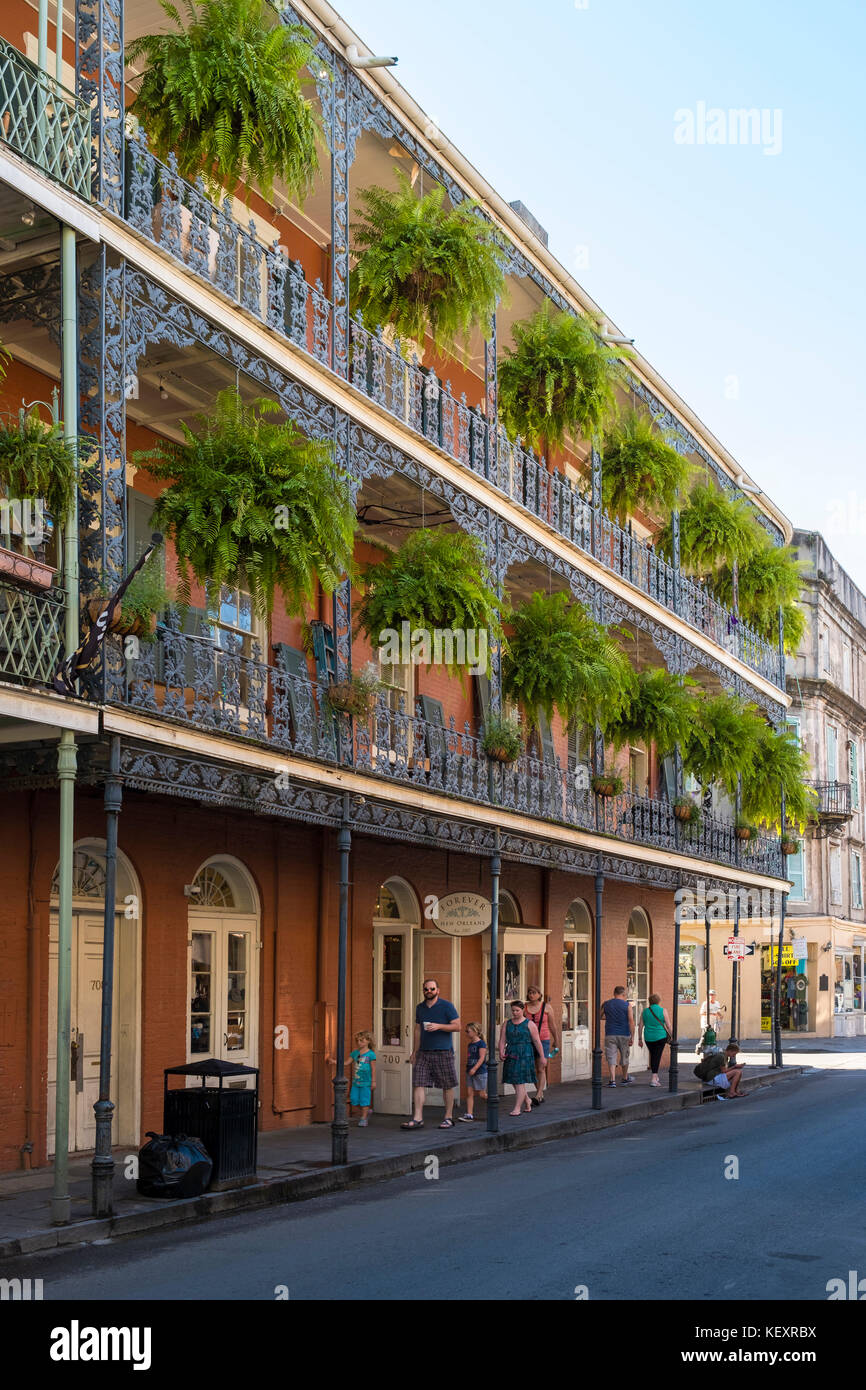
<point x="462" y="914"/>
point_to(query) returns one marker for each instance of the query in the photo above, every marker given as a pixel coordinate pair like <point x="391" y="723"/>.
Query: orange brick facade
<point x="296" y="872"/>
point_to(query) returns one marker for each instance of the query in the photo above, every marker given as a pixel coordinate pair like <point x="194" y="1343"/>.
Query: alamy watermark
<point x="721" y="904"/>
<point x="24" y="517"/>
<point x="714" y="125"/>
<point x="448" y="646"/>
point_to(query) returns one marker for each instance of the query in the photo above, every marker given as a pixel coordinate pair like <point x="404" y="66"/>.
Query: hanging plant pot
<point x="355" y="696"/>
<point x="502" y="741"/>
<point x="607" y="784"/>
<point x="744" y="832"/>
<point x="122" y="625"/>
<point x="790" y="846"/>
<point x="682" y="813"/>
<point x="25" y="569"/>
<point x="687" y="812"/>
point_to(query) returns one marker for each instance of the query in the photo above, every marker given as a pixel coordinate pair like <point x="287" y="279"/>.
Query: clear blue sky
<point x="721" y="261"/>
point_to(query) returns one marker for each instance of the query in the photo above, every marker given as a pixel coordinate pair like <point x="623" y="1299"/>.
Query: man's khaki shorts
<point x="616" y="1050"/>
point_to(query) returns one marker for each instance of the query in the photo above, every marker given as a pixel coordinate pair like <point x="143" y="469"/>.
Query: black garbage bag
<point x="173" y="1165"/>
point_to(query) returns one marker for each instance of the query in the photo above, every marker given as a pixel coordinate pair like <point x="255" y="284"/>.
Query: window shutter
<point x="856" y="880"/>
<point x="854" y="775"/>
<point x="835" y="874"/>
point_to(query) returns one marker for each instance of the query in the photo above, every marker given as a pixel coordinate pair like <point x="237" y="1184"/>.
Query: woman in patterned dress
<point x="518" y="1044"/>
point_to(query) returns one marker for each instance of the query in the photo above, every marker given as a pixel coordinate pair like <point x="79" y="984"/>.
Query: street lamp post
<point x="102" y="1165"/>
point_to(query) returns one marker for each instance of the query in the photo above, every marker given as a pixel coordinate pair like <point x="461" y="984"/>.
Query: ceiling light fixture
<point x="163" y="394"/>
<point x="28" y="218"/>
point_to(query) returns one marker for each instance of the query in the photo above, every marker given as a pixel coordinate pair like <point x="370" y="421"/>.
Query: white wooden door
<point x="222" y="1019"/>
<point x="394" y="1017"/>
<point x="576" y="1046"/>
<point x="86" y="1030"/>
<point x="638" y="989"/>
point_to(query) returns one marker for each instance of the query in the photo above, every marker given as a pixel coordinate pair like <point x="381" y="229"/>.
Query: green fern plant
<point x="721" y="741"/>
<point x="423" y="267"/>
<point x="254" y="504"/>
<point x="717" y="529"/>
<point x="36" y="461"/>
<point x="558" y="657"/>
<point x="436" y="580"/>
<point x="224" y="94"/>
<point x="640" y="470"/>
<point x="769" y="580"/>
<point x="558" y="378"/>
<point x="659" y="708"/>
<point x="778" y="762"/>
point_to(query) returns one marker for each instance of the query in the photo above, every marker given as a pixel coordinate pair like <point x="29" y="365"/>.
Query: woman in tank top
<point x="541" y="1015"/>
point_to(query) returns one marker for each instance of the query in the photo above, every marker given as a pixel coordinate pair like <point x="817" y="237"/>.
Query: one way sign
<point x="737" y="949"/>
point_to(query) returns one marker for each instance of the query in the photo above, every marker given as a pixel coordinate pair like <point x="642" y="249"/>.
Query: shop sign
<point x="788" y="957"/>
<point x="799" y="948"/>
<point x="463" y="914"/>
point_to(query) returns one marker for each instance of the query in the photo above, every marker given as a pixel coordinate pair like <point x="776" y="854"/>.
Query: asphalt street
<point x="650" y="1210"/>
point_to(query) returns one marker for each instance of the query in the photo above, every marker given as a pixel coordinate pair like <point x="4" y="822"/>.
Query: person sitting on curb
<point x="734" y="1070"/>
<point x="713" y="1070"/>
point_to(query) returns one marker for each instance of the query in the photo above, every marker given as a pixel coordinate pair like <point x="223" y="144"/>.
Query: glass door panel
<point x="201" y="1030"/>
<point x="238" y="945"/>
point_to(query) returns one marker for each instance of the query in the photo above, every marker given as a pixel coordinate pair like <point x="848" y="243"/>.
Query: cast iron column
<point x="102" y="1165"/>
<point x="340" y="1125"/>
<point x="674" y="1047"/>
<point x="707" y="968"/>
<point x="492" y="1029"/>
<point x="596" y="1035"/>
<point x="735" y="972"/>
<point x="777" y="1002"/>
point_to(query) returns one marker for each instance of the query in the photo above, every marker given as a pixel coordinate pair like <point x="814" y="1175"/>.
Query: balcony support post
<point x="491" y="398"/>
<point x="596" y="948"/>
<point x="340" y="1124"/>
<point x="777" y="990"/>
<point x="596" y="501"/>
<point x="492" y="1024"/>
<point x="673" y="1046"/>
<point x="66" y="756"/>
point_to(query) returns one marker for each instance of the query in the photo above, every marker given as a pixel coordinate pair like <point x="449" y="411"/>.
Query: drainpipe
<point x="66" y="755"/>
<point x="58" y="57"/>
<point x="102" y="1165"/>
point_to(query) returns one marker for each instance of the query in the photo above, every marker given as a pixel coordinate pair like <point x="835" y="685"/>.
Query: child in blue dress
<point x="476" y="1068"/>
<point x="363" y="1060"/>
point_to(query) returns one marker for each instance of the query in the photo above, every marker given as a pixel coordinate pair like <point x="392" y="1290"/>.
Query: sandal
<point x="412" y="1124"/>
<point x="447" y="1124"/>
<point x="466" y="1117"/>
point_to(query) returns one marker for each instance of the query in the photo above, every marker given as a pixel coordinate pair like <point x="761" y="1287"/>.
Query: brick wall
<point x="296" y="873"/>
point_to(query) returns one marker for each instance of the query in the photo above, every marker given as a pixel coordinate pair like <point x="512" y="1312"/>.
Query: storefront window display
<point x="794" y="1005"/>
<point x="687" y="987"/>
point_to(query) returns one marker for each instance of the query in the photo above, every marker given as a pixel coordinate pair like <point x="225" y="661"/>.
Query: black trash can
<point x="223" y="1117"/>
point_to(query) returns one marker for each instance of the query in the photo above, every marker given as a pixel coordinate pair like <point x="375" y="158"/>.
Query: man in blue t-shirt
<point x="433" y="1054"/>
<point x="618" y="1034"/>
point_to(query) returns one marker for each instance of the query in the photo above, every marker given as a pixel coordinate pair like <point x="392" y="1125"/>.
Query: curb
<point x="325" y="1181"/>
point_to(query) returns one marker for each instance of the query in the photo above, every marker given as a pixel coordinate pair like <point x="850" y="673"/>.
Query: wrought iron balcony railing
<point x="213" y="245"/>
<point x="31" y="634"/>
<point x="43" y="122"/>
<point x="188" y="679"/>
<point x="834" y="800"/>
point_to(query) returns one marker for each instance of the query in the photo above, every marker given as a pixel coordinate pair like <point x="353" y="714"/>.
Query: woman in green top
<point x="655" y="1026"/>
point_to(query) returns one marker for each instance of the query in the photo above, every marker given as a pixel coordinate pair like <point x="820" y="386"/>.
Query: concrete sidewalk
<point x="295" y="1164"/>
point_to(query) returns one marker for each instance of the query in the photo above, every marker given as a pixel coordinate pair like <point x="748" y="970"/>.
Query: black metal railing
<point x="43" y="122"/>
<point x="209" y="241"/>
<point x="230" y="689"/>
<point x="31" y="634"/>
<point x="834" y="799"/>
